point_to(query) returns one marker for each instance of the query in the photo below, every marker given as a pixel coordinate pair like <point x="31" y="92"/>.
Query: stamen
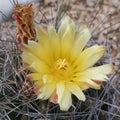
<point x="61" y="64"/>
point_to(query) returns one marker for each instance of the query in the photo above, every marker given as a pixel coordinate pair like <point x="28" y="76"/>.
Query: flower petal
<point x="98" y="73"/>
<point x="37" y="86"/>
<point x="83" y="85"/>
<point x="89" y="57"/>
<point x="67" y="35"/>
<point x="35" y="64"/>
<point x="42" y="36"/>
<point x="39" y="51"/>
<point x="46" y="91"/>
<point x="35" y="76"/>
<point x="75" y="89"/>
<point x="54" y="98"/>
<point x="60" y="90"/>
<point x="66" y="100"/>
<point x="82" y="37"/>
<point x="64" y="24"/>
<point x="54" y="41"/>
<point x="85" y="81"/>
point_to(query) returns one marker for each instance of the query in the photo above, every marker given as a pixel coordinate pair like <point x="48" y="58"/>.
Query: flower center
<point x="62" y="69"/>
<point x="61" y="64"/>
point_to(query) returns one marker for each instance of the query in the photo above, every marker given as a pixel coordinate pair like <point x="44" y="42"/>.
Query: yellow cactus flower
<point x="60" y="64"/>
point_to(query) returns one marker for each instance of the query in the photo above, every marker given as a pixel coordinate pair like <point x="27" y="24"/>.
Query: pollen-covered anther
<point x="61" y="64"/>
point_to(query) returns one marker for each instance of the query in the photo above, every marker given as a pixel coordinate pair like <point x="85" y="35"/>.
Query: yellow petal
<point x="54" y="41"/>
<point x="82" y="85"/>
<point x="42" y="36"/>
<point x="35" y="76"/>
<point x="46" y="91"/>
<point x="35" y="63"/>
<point x="39" y="51"/>
<point x="89" y="57"/>
<point x="98" y="73"/>
<point x="82" y="37"/>
<point x="75" y="89"/>
<point x="48" y="78"/>
<point x="67" y="35"/>
<point x="64" y="24"/>
<point x="26" y="57"/>
<point x="60" y="90"/>
<point x="37" y="86"/>
<point x="66" y="101"/>
<point x="82" y="79"/>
